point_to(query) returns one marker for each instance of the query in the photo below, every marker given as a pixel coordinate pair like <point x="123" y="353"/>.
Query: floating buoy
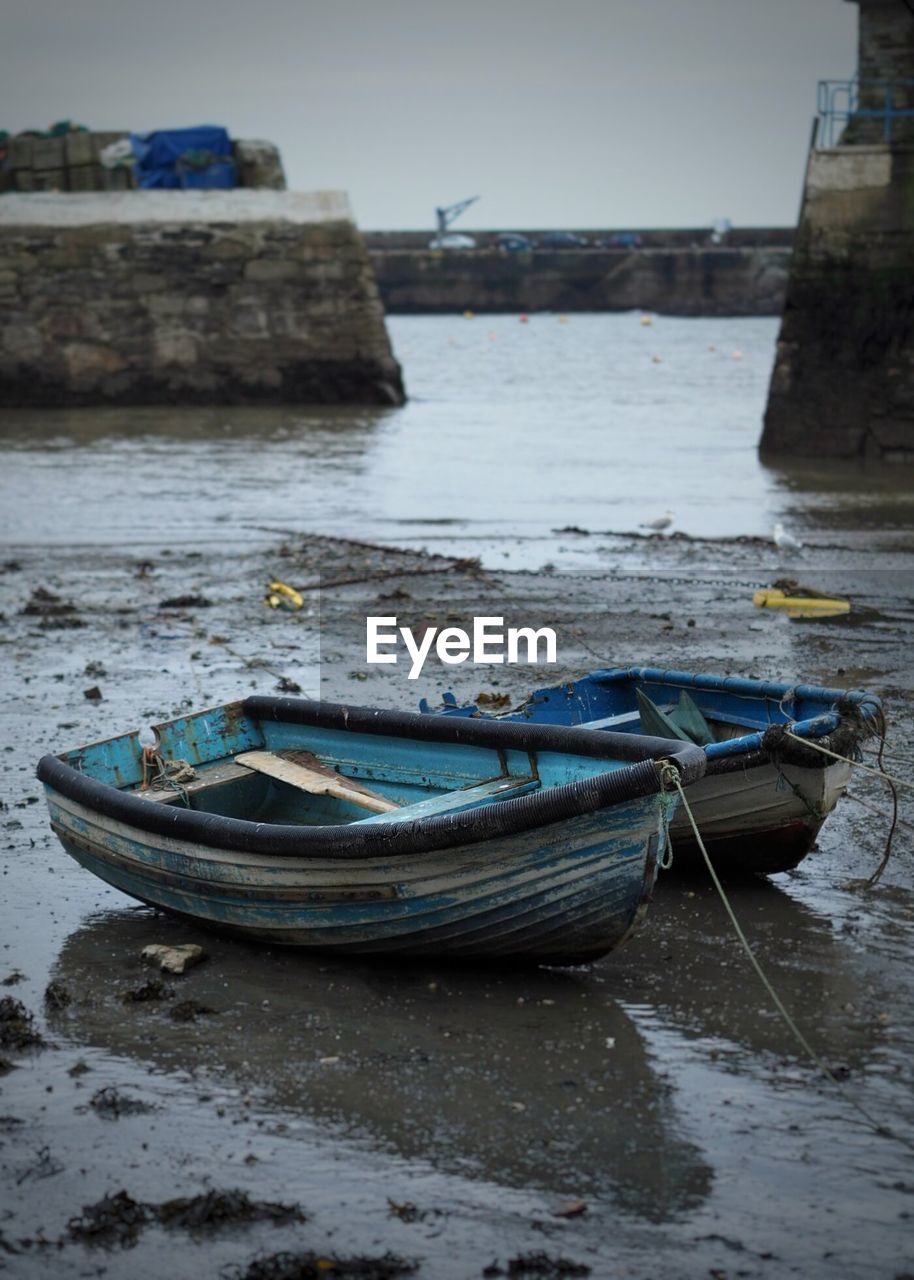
<point x="524" y="319"/>
<point x="645" y="319"/>
<point x="493" y="337"/>
<point x="469" y="315"/>
<point x="657" y="359"/>
<point x="712" y="347"/>
<point x="737" y="355"/>
<point x="801" y="606"/>
<point x="563" y="319"/>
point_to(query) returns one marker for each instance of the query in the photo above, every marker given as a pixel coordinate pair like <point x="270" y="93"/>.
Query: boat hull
<point x="565" y="893"/>
<point x="762" y="820"/>
<point x="764" y="795"/>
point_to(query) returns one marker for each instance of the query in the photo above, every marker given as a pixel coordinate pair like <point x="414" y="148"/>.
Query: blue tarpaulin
<point x="197" y="157"/>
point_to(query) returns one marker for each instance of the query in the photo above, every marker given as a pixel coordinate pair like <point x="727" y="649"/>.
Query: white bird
<point x="785" y="541"/>
<point x="661" y="523"/>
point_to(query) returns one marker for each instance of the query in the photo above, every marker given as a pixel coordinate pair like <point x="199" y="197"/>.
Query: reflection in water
<point x="529" y="1079"/>
<point x="687" y="963"/>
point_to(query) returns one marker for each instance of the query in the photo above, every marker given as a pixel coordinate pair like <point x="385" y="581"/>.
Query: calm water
<point x="511" y="430"/>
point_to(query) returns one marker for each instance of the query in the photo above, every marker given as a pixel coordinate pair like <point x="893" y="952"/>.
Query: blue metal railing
<point x="841" y="101"/>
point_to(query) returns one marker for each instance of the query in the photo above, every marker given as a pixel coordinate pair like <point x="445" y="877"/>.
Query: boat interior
<point x="223" y="761"/>
<point x="723" y="712"/>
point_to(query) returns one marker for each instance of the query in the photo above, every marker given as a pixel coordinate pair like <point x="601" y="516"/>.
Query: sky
<point x="579" y="113"/>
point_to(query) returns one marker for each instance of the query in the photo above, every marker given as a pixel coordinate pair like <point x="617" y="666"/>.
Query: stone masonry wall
<point x="675" y="281"/>
<point x="843" y="381"/>
<point x="168" y="298"/>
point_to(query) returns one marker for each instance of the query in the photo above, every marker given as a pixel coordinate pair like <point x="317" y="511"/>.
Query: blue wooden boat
<point x="312" y="824"/>
<point x="764" y="797"/>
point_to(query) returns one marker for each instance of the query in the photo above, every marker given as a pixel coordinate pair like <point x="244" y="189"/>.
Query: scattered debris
<point x="12" y="978"/>
<point x="95" y="669"/>
<point x="316" y="1266"/>
<point x="186" y="602"/>
<point x="16" y="1026"/>
<point x="538" y="1264"/>
<point x="56" y="996"/>
<point x="116" y="1219"/>
<point x="406" y="1212"/>
<point x="189" y="1011"/>
<point x="6" y="1066"/>
<point x="45" y="1166"/>
<point x="45" y="604"/>
<point x="174" y="959"/>
<point x="285" y="685"/>
<point x="6" y="1246"/>
<point x="493" y="699"/>
<point x="78" y="1069"/>
<point x="216" y="1209"/>
<point x="281" y="596"/>
<point x="569" y="1208"/>
<point x="111" y="1104"/>
<point x="154" y="989"/>
<point x="94" y="694"/>
<point x="119" y="1219"/>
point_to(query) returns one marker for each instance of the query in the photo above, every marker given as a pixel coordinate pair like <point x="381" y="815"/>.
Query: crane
<point x="450" y="212"/>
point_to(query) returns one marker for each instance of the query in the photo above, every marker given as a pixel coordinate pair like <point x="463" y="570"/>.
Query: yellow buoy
<point x="645" y="319"/>
<point x="281" y="596"/>
<point x="801" y="606"/>
<point x="468" y="315"/>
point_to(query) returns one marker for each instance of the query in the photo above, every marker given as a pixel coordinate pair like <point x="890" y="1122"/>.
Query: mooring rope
<point x="882" y="1129"/>
<point x="874" y="808"/>
<point x="858" y="764"/>
<point x="892" y="782"/>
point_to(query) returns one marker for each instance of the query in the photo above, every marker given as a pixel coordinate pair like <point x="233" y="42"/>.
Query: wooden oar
<point x="303" y="770"/>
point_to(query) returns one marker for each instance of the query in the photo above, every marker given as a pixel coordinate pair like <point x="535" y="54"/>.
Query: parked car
<point x="513" y="242"/>
<point x="562" y="240"/>
<point x="453" y="240"/>
<point x="624" y="240"/>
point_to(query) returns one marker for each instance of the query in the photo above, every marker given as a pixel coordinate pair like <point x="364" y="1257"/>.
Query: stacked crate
<point x="68" y="162"/>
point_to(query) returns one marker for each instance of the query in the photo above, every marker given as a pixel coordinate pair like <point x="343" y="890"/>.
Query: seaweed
<point x="317" y="1266"/>
<point x="16" y="1026"/>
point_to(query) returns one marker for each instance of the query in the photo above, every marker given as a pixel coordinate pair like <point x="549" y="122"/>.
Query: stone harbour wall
<point x="843" y="380"/>
<point x="189" y="298"/>
<point x="685" y="281"/>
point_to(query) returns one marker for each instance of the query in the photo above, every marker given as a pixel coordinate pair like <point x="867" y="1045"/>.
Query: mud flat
<point x="647" y="1116"/>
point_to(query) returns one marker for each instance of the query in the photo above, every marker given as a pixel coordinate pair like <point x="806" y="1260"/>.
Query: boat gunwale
<point x="842" y="708"/>
<point x="507" y="817"/>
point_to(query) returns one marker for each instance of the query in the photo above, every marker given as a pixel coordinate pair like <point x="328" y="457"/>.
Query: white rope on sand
<point x="881" y="1129"/>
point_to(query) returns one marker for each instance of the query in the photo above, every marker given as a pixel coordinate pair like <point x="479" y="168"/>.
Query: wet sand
<point x="443" y="1114"/>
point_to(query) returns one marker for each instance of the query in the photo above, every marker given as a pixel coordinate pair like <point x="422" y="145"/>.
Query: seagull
<point x="785" y="541"/>
<point x="661" y="523"/>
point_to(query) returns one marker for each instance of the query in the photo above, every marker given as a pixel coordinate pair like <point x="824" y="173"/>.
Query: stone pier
<point x="180" y="297"/>
<point x="843" y="381"/>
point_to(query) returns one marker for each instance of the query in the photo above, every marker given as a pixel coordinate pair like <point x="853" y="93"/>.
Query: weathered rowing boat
<point x="764" y="796"/>
<point x="481" y="839"/>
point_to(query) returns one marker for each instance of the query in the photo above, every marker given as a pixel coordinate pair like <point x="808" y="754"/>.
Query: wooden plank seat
<point x="303" y="770"/>
<point x="612" y="722"/>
